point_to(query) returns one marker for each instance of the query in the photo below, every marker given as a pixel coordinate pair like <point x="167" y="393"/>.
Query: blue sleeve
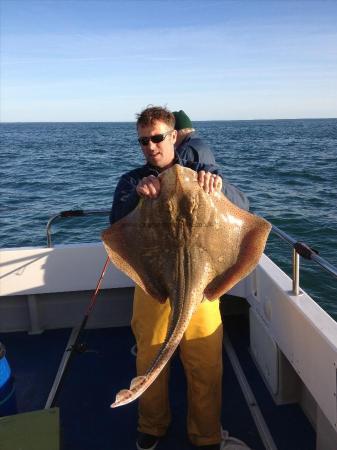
<point x="125" y="198"/>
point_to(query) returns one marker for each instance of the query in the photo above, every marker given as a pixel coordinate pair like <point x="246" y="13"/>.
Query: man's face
<point x="159" y="154"/>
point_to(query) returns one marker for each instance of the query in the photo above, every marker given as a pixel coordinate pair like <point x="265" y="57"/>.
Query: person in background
<point x="201" y="345"/>
<point x="189" y="146"/>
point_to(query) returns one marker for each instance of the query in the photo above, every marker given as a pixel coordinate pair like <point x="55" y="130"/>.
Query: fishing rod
<point x="73" y="345"/>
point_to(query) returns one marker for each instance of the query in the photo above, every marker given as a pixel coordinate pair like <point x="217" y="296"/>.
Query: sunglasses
<point x="155" y="139"/>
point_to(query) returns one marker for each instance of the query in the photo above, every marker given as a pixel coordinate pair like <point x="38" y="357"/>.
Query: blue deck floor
<point x="87" y="421"/>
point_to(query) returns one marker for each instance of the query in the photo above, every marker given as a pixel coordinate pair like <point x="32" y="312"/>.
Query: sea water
<point x="287" y="168"/>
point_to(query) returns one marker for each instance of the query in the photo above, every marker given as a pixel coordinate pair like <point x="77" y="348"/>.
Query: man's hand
<point x="148" y="187"/>
<point x="209" y="182"/>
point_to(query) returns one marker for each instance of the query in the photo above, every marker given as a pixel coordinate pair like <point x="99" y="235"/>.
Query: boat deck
<point x="87" y="421"/>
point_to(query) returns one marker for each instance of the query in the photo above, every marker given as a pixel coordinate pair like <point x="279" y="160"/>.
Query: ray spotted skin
<point x="184" y="245"/>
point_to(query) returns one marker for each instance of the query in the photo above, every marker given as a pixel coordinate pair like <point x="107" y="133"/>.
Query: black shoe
<point x="147" y="441"/>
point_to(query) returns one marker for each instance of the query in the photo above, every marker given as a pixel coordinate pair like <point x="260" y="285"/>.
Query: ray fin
<point x="222" y="245"/>
<point x="122" y="394"/>
<point x="135" y="382"/>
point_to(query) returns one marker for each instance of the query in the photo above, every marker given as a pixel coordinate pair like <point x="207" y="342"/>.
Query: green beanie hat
<point x="182" y="120"/>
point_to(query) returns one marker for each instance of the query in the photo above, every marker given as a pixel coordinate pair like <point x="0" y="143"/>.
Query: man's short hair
<point x="152" y="114"/>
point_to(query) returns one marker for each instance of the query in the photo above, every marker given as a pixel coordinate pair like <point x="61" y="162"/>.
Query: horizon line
<point x="200" y="120"/>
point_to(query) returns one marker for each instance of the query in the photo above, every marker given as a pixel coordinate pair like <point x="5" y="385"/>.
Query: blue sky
<point x="95" y="60"/>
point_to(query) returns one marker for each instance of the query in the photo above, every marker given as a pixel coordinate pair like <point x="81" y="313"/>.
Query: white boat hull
<point x="293" y="340"/>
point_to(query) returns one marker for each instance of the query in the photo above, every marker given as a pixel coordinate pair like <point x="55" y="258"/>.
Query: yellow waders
<point x="201" y="355"/>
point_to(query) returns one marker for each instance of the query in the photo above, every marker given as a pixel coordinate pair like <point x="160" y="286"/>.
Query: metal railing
<point x="72" y="213"/>
<point x="302" y="249"/>
<point x="299" y="248"/>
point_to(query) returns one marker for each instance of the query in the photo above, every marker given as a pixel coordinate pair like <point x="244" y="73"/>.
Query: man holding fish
<point x="201" y="345"/>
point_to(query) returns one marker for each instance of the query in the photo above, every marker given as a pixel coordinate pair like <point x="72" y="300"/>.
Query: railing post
<point x="296" y="272"/>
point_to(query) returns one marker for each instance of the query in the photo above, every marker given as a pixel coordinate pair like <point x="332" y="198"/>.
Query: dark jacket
<point x="195" y="149"/>
<point x="126" y="197"/>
